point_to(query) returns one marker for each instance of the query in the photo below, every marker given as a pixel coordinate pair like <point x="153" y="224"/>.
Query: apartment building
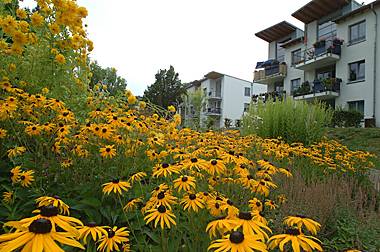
<point x="223" y="97"/>
<point x="334" y="59"/>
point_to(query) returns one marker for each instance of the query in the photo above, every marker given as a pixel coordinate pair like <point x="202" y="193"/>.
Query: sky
<point x="139" y="37"/>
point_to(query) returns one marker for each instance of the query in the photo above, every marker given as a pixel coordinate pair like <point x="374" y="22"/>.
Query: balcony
<point x="322" y="90"/>
<point x="213" y="111"/>
<point x="214" y="96"/>
<point x="274" y="96"/>
<point x="323" y="53"/>
<point x="272" y="72"/>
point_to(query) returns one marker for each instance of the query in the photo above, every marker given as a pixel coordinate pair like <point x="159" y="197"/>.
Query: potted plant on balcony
<point x="327" y="84"/>
<point x="319" y="47"/>
<point x="336" y="47"/>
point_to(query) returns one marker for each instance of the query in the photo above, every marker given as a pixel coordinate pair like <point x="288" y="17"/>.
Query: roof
<point x="293" y="42"/>
<point x="276" y="31"/>
<point x="357" y="11"/>
<point x="213" y="76"/>
<point x="317" y="9"/>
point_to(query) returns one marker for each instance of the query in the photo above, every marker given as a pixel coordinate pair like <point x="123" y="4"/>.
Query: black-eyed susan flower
<point x="219" y="226"/>
<point x="193" y="202"/>
<point x="237" y="241"/>
<point x="108" y="151"/>
<point x="270" y="204"/>
<point x="132" y="204"/>
<point x="136" y="177"/>
<point x="39" y="236"/>
<point x="50" y="213"/>
<point x="95" y="232"/>
<point x="160" y="215"/>
<point x="116" y="186"/>
<point x="3" y="133"/>
<point x="8" y="197"/>
<point x="230" y="208"/>
<point x="16" y="151"/>
<point x="185" y="183"/>
<point x="164" y="170"/>
<point x="250" y="226"/>
<point x="311" y="225"/>
<point x="255" y="204"/>
<point x="15" y="174"/>
<point x="26" y="178"/>
<point x="196" y="163"/>
<point x="53" y="201"/>
<point x="164" y="198"/>
<point x="114" y="239"/>
<point x="215" y="167"/>
<point x="297" y="241"/>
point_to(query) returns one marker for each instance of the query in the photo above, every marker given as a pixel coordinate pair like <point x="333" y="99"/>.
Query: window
<point x="205" y="92"/>
<point x="327" y="31"/>
<point x="357" y="71"/>
<point x="246" y="107"/>
<point x="296" y="57"/>
<point x="247" y="91"/>
<point x="357" y="32"/>
<point x="295" y="84"/>
<point x="357" y="106"/>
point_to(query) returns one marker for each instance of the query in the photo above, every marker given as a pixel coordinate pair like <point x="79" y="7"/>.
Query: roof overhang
<point x="317" y="9"/>
<point x="214" y="75"/>
<point x="357" y="11"/>
<point x="276" y="31"/>
<point x="293" y="42"/>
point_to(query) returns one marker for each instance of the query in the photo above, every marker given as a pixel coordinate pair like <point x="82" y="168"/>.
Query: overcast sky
<point x="139" y="37"/>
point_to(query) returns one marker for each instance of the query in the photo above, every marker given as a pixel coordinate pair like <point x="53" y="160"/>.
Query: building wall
<point x="363" y="90"/>
<point x="234" y="99"/>
<point x="292" y="73"/>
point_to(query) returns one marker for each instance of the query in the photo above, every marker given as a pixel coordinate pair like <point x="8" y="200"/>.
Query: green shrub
<point x="346" y="118"/>
<point x="293" y="121"/>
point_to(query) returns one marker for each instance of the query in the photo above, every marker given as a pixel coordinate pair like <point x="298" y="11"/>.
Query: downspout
<point x="374" y="65"/>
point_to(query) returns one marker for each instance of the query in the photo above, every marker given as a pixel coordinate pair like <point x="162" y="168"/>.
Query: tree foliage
<point x="107" y="76"/>
<point x="166" y="90"/>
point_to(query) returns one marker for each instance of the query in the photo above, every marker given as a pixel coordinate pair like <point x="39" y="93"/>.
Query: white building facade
<point x="224" y="97"/>
<point x="336" y="59"/>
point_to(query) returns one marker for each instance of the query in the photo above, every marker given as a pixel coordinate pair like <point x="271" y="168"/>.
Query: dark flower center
<point x="161" y="209"/>
<point x="22" y="177"/>
<point x="205" y="193"/>
<point x="229" y="202"/>
<point x="249" y="177"/>
<point x="184" y="179"/>
<point x="34" y="128"/>
<point x="194" y="160"/>
<point x="218" y="198"/>
<point x="258" y="204"/>
<point x="108" y="149"/>
<point x="217" y="205"/>
<point x="236" y="237"/>
<point x="49" y="211"/>
<point x="262" y="183"/>
<point x="292" y="231"/>
<point x="192" y="196"/>
<point x="111" y="233"/>
<point x="114" y="118"/>
<point x="301" y="216"/>
<point x="245" y="216"/>
<point x="165" y="165"/>
<point x="231" y="152"/>
<point x="65" y="114"/>
<point x="160" y="195"/>
<point x="40" y="226"/>
<point x="214" y="162"/>
<point x="115" y="180"/>
<point x="97" y="128"/>
<point x="91" y="224"/>
<point x="104" y="130"/>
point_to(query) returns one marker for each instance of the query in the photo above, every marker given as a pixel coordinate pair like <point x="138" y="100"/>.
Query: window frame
<point x="291" y="84"/>
<point x="245" y="91"/>
<point x="356" y="104"/>
<point x="358" y="64"/>
<point x="359" y="39"/>
<point x="293" y="62"/>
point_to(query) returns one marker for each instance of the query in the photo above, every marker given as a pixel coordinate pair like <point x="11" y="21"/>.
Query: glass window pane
<point x="361" y="71"/>
<point x="362" y="30"/>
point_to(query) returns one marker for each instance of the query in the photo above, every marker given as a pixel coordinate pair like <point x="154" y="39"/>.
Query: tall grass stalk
<point x="293" y="121"/>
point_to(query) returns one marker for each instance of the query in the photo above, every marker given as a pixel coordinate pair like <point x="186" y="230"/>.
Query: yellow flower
<point x="171" y="108"/>
<point x="113" y="238"/>
<point x="96" y="232"/>
<point x="160" y="215"/>
<point x="8" y="197"/>
<point x="3" y="133"/>
<point x="12" y="67"/>
<point x="16" y="151"/>
<point x="60" y="59"/>
<point x="21" y="13"/>
<point x="109" y="151"/>
<point x="26" y="178"/>
<point x="116" y="186"/>
<point x="237" y="241"/>
<point x="37" y="19"/>
<point x="132" y="99"/>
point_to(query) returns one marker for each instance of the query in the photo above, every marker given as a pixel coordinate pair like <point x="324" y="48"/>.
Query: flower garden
<point x="82" y="169"/>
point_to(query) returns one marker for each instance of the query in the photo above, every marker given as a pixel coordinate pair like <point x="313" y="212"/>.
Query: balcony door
<point x="325" y="73"/>
<point x="218" y="88"/>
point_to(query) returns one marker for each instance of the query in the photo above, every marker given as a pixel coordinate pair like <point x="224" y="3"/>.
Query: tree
<point x="107" y="76"/>
<point x="166" y="90"/>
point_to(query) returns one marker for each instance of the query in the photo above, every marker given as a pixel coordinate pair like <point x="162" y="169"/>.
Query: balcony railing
<point x="213" y="94"/>
<point x="274" y="96"/>
<point x="271" y="73"/>
<point x="214" y="111"/>
<point x="323" y="52"/>
<point x="319" y="87"/>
